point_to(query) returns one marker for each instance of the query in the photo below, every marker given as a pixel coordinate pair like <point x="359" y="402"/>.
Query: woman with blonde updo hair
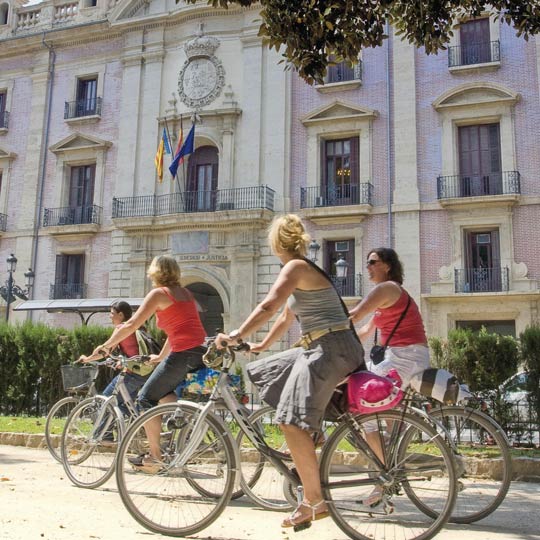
<point x="299" y="382"/>
<point x="177" y="315"/>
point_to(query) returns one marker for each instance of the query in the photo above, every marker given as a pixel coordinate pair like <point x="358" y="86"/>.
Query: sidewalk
<point x="38" y="502"/>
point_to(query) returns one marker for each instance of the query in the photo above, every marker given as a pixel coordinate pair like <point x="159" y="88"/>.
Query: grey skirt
<point x="299" y="382"/>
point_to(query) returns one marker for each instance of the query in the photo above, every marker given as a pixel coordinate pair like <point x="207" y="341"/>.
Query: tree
<point x="311" y="30"/>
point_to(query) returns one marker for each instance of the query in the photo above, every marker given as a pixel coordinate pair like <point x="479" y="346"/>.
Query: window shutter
<point x="324" y="166"/>
<point x="60" y="274"/>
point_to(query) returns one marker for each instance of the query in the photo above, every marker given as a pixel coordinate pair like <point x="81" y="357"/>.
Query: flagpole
<point x="183" y="161"/>
<point x="172" y="153"/>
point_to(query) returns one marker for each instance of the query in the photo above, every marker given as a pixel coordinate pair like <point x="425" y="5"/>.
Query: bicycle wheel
<point x="260" y="480"/>
<point x="485" y="458"/>
<point x="171" y="500"/>
<point x="55" y="423"/>
<point x="87" y="455"/>
<point x="349" y="476"/>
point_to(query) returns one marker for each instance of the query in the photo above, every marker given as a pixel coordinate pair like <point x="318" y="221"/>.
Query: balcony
<point x="77" y="221"/>
<point x="340" y="77"/>
<point x="4" y="120"/>
<point x="67" y="290"/>
<point x="474" y="54"/>
<point x="3" y="222"/>
<point x="349" y="286"/>
<point x="250" y="205"/>
<point x="347" y="203"/>
<point x="82" y="108"/>
<point x="481" y="280"/>
<point x="505" y="186"/>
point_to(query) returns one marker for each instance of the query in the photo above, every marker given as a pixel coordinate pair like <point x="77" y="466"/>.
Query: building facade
<point x="434" y="155"/>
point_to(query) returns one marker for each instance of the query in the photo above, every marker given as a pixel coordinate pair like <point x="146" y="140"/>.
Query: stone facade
<point x="268" y="130"/>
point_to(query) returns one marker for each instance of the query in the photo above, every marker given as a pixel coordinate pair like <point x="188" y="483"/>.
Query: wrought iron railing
<point x="320" y="196"/>
<point x="67" y="290"/>
<point x="348" y="286"/>
<point x="474" y="53"/>
<point x="194" y="201"/>
<point x="471" y="280"/>
<point x="82" y="107"/>
<point x="4" y="119"/>
<point x="342" y="72"/>
<point x="3" y="222"/>
<point x="79" y="215"/>
<point x="470" y="185"/>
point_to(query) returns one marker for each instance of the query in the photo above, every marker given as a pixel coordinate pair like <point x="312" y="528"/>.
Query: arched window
<point x="4" y="12"/>
<point x="202" y="179"/>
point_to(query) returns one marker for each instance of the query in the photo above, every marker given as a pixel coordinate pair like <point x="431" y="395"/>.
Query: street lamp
<point x="10" y="290"/>
<point x="342" y="267"/>
<point x="313" y="249"/>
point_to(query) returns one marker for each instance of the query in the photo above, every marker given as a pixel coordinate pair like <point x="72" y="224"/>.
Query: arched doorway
<point x="211" y="304"/>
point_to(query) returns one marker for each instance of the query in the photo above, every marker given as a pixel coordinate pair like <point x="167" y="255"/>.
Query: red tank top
<point x="181" y="322"/>
<point x="410" y="330"/>
<point x="129" y="345"/>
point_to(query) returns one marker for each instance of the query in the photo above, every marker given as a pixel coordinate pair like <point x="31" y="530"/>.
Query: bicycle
<point x="200" y="466"/>
<point x="87" y="446"/>
<point x="79" y="383"/>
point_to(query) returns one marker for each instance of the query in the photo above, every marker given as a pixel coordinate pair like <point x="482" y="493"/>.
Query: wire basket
<point x="73" y="376"/>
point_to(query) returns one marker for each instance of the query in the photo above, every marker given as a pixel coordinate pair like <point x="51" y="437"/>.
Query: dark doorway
<point x="211" y="304"/>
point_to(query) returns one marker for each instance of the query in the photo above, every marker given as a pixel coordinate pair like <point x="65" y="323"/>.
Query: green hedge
<point x="30" y="360"/>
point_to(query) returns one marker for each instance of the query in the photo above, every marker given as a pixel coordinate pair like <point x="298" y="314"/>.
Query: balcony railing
<point x="321" y="196"/>
<point x="194" y="201"/>
<point x="470" y="280"/>
<point x="60" y="291"/>
<point x="79" y="215"/>
<point x="469" y="185"/>
<point x="342" y="72"/>
<point x="349" y="286"/>
<point x="82" y="107"/>
<point x="4" y="120"/>
<point x="474" y="53"/>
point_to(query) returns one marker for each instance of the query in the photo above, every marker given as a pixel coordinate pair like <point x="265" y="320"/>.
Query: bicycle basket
<point x="73" y="376"/>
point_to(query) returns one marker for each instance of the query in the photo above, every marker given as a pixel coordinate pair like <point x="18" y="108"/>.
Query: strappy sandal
<point x="146" y="463"/>
<point x="297" y="518"/>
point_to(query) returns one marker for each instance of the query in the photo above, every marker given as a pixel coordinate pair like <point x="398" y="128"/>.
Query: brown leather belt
<point x="307" y="339"/>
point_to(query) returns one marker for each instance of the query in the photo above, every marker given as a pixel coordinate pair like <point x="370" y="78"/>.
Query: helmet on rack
<point x="370" y="393"/>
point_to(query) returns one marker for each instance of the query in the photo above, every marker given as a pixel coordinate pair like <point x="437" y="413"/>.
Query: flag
<point x="179" y="144"/>
<point x="163" y="148"/>
<point x="187" y="148"/>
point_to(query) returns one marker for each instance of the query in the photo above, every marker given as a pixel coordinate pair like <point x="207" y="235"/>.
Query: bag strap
<point x="345" y="310"/>
<point x="398" y="323"/>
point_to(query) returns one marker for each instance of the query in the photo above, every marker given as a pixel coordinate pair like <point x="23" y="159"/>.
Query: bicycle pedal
<point x="302" y="526"/>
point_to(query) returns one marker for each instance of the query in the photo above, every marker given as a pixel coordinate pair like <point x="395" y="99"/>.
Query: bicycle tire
<point x="484" y="485"/>
<point x="165" y="501"/>
<point x="348" y="478"/>
<point x="87" y="461"/>
<point x="59" y="411"/>
<point x="260" y="481"/>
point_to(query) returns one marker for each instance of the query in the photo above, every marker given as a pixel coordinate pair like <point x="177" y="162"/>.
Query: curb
<point x="524" y="469"/>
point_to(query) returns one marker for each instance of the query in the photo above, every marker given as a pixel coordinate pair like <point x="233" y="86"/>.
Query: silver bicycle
<point x="200" y="466"/>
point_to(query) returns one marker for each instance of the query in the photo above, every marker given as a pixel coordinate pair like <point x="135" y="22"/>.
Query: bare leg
<point x="302" y="450"/>
<point x="153" y="428"/>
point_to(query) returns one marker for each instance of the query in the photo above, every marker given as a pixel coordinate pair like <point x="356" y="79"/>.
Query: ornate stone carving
<point x="202" y="77"/>
<point x="446" y="273"/>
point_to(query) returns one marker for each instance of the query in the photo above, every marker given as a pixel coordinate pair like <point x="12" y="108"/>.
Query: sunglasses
<point x="371" y="262"/>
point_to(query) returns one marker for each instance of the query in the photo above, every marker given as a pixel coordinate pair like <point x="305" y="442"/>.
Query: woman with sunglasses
<point x="397" y="317"/>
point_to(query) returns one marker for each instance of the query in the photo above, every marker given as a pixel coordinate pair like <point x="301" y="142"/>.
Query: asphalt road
<point x="38" y="502"/>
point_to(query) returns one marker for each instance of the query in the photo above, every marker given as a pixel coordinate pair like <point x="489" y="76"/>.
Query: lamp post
<point x="10" y="289"/>
<point x="342" y="267"/>
<point x="313" y="249"/>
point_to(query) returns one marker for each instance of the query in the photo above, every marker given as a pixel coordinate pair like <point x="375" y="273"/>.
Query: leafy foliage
<point x="309" y="31"/>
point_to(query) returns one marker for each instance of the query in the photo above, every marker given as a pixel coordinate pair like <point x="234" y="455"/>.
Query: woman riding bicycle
<point x="300" y="382"/>
<point x="178" y="316"/>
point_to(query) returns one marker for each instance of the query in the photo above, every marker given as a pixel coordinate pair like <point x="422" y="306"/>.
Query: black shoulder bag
<point x="377" y="351"/>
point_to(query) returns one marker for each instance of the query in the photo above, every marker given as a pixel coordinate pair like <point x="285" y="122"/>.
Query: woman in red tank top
<point x="406" y="344"/>
<point x="178" y="315"/>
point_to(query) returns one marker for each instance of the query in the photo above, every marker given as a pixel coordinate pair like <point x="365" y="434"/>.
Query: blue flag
<point x="187" y="148"/>
<point x="166" y="145"/>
